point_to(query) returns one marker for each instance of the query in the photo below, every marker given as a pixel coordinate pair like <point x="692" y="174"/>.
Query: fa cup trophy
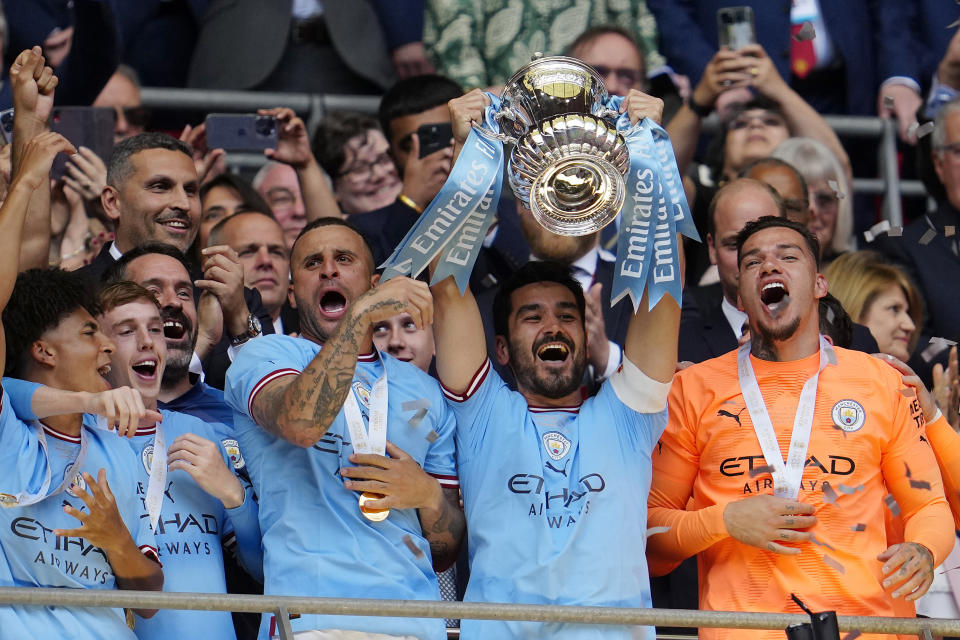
<point x="568" y="161"/>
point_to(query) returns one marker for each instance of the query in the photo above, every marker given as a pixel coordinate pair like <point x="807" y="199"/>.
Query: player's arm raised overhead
<point x="301" y="408"/>
<point x="33" y="170"/>
<point x="458" y="330"/>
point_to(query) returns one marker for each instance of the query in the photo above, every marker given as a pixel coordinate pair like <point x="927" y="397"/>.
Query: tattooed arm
<point x="301" y="408"/>
<point x="444" y="528"/>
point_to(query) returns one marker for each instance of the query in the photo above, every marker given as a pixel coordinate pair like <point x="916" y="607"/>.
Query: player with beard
<point x="812" y="526"/>
<point x="302" y="408"/>
<point x="71" y="516"/>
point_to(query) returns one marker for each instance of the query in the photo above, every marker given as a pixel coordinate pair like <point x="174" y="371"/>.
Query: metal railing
<point x="313" y="107"/>
<point x="283" y="606"/>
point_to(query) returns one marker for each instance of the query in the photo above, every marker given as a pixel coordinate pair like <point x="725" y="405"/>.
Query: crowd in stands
<point x="208" y="386"/>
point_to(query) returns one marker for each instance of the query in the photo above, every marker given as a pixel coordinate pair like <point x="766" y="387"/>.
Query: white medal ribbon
<point x="786" y="476"/>
<point x="24" y="498"/>
<point x="158" y="478"/>
<point x="374" y="439"/>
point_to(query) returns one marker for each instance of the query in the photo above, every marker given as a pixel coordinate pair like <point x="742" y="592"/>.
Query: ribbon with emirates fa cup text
<point x="654" y="211"/>
<point x="457" y="220"/>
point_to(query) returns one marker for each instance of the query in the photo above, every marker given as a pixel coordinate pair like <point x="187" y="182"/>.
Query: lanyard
<point x="24" y="498"/>
<point x="372" y="439"/>
<point x="786" y="476"/>
<point x="158" y="478"/>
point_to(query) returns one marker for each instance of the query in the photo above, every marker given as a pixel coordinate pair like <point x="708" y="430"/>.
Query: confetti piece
<point x="936" y="346"/>
<point x="891" y="503"/>
<point x="830" y="562"/>
<point x="849" y="490"/>
<point x="949" y="231"/>
<point x="414" y="549"/>
<point x="756" y="471"/>
<point x="927" y="236"/>
<point x="852" y="635"/>
<point x="831" y="316"/>
<point x="432" y="436"/>
<point x="955" y="23"/>
<point x="806" y="32"/>
<point x="876" y="230"/>
<point x="916" y="484"/>
<point x="888" y="102"/>
<point x="945" y="570"/>
<point x="829" y="495"/>
<point x="859" y="527"/>
<point x="815" y="540"/>
<point x="652" y="531"/>
<point x="895" y="232"/>
<point x="413" y="405"/>
<point x="417" y="418"/>
<point x="925" y="129"/>
<point x="833" y="184"/>
<point x="907" y="392"/>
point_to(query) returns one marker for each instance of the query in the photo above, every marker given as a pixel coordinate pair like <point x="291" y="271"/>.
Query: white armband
<point x="639" y="391"/>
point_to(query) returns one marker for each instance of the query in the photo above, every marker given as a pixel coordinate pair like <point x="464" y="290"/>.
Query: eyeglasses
<point x="363" y="171"/>
<point x="626" y="76"/>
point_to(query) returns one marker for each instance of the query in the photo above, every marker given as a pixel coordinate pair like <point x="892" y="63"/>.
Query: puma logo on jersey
<point x="726" y="414"/>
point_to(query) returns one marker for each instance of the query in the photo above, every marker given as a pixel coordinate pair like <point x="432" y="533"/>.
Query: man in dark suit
<point x="329" y="47"/>
<point x="848" y="80"/>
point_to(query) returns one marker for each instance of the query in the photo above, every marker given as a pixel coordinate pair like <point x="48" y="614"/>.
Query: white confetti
<point x="830" y="562"/>
<point x="833" y="184"/>
<point x="806" y="32"/>
<point x="831" y="316"/>
<point x="895" y="232"/>
<point x="876" y="230"/>
<point x="925" y="129"/>
<point x="413" y="405"/>
<point x="927" y="236"/>
<point x="652" y="531"/>
<point x="936" y="347"/>
<point x="417" y="418"/>
<point x="949" y="231"/>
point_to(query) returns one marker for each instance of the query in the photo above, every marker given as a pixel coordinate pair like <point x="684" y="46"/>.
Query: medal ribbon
<point x="25" y="498"/>
<point x="456" y="221"/>
<point x="158" y="478"/>
<point x="786" y="476"/>
<point x="373" y="440"/>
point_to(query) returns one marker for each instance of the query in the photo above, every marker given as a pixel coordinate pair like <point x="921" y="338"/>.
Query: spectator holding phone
<point x="353" y="151"/>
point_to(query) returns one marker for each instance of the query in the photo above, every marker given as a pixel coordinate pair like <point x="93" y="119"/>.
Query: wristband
<point x="701" y="111"/>
<point x="410" y="203"/>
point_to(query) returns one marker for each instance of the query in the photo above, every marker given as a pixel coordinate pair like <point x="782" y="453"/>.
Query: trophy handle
<point x="490" y="135"/>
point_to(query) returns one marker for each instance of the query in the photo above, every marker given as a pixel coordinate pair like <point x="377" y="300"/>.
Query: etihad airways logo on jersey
<point x="560" y="506"/>
<point x="35" y="531"/>
<point x="756" y="465"/>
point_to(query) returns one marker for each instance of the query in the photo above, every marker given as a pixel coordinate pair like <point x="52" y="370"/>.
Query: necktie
<point x="802" y="56"/>
<point x="448" y="590"/>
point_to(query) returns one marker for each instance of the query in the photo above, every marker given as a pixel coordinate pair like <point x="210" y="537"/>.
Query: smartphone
<point x="241" y="132"/>
<point x="91" y="127"/>
<point x="6" y="125"/>
<point x="735" y="27"/>
<point x="434" y="137"/>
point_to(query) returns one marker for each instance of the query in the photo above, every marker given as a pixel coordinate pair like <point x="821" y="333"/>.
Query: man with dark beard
<point x="779" y="459"/>
<point x="553" y="484"/>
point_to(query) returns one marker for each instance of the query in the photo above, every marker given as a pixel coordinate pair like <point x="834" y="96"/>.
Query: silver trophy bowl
<point x="568" y="161"/>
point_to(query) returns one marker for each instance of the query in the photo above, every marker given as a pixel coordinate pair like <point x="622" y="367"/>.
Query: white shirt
<point x="734" y="316"/>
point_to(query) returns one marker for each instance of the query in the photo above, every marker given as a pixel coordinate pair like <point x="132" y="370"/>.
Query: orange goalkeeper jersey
<point x="866" y="443"/>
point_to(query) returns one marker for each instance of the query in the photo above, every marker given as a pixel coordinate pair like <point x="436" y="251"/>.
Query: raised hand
<point x="764" y="521"/>
<point x="33" y="85"/>
<point x="86" y="174"/>
<point x="638" y="105"/>
<point x="424" y="177"/>
<point x="946" y="389"/>
<point x="464" y="111"/>
<point x="293" y="142"/>
<point x="398" y="295"/>
<point x="201" y="458"/>
<point x="765" y="77"/>
<point x="123" y="408"/>
<point x="208" y="162"/>
<point x="223" y="277"/>
<point x="33" y="169"/>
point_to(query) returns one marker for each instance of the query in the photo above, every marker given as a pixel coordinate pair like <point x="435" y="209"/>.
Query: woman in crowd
<point x="831" y="204"/>
<point x="353" y="151"/>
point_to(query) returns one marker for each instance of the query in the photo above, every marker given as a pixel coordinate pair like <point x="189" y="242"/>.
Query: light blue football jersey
<point x="31" y="556"/>
<point x="556" y="505"/>
<point x="316" y="542"/>
<point x="189" y="533"/>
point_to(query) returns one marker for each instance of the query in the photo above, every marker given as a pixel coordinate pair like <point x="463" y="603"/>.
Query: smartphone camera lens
<point x="265" y="126"/>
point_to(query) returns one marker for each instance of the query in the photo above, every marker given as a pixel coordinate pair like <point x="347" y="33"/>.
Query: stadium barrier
<point x="313" y="107"/>
<point x="284" y="606"/>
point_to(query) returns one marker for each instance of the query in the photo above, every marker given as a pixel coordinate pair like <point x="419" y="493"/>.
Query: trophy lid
<point x="552" y="86"/>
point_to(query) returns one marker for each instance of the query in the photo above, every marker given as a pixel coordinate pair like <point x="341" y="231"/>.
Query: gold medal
<point x="374" y="515"/>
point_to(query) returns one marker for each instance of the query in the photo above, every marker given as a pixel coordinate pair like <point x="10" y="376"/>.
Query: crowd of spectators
<point x="164" y="264"/>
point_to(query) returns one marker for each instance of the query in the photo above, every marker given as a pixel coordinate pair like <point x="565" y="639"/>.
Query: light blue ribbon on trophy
<point x="457" y="220"/>
<point x="654" y="210"/>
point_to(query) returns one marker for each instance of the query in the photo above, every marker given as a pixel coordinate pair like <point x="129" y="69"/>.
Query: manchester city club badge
<point x="848" y="415"/>
<point x="146" y="456"/>
<point x="556" y="444"/>
<point x="363" y="393"/>
<point x="232" y="447"/>
<point x="76" y="482"/>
